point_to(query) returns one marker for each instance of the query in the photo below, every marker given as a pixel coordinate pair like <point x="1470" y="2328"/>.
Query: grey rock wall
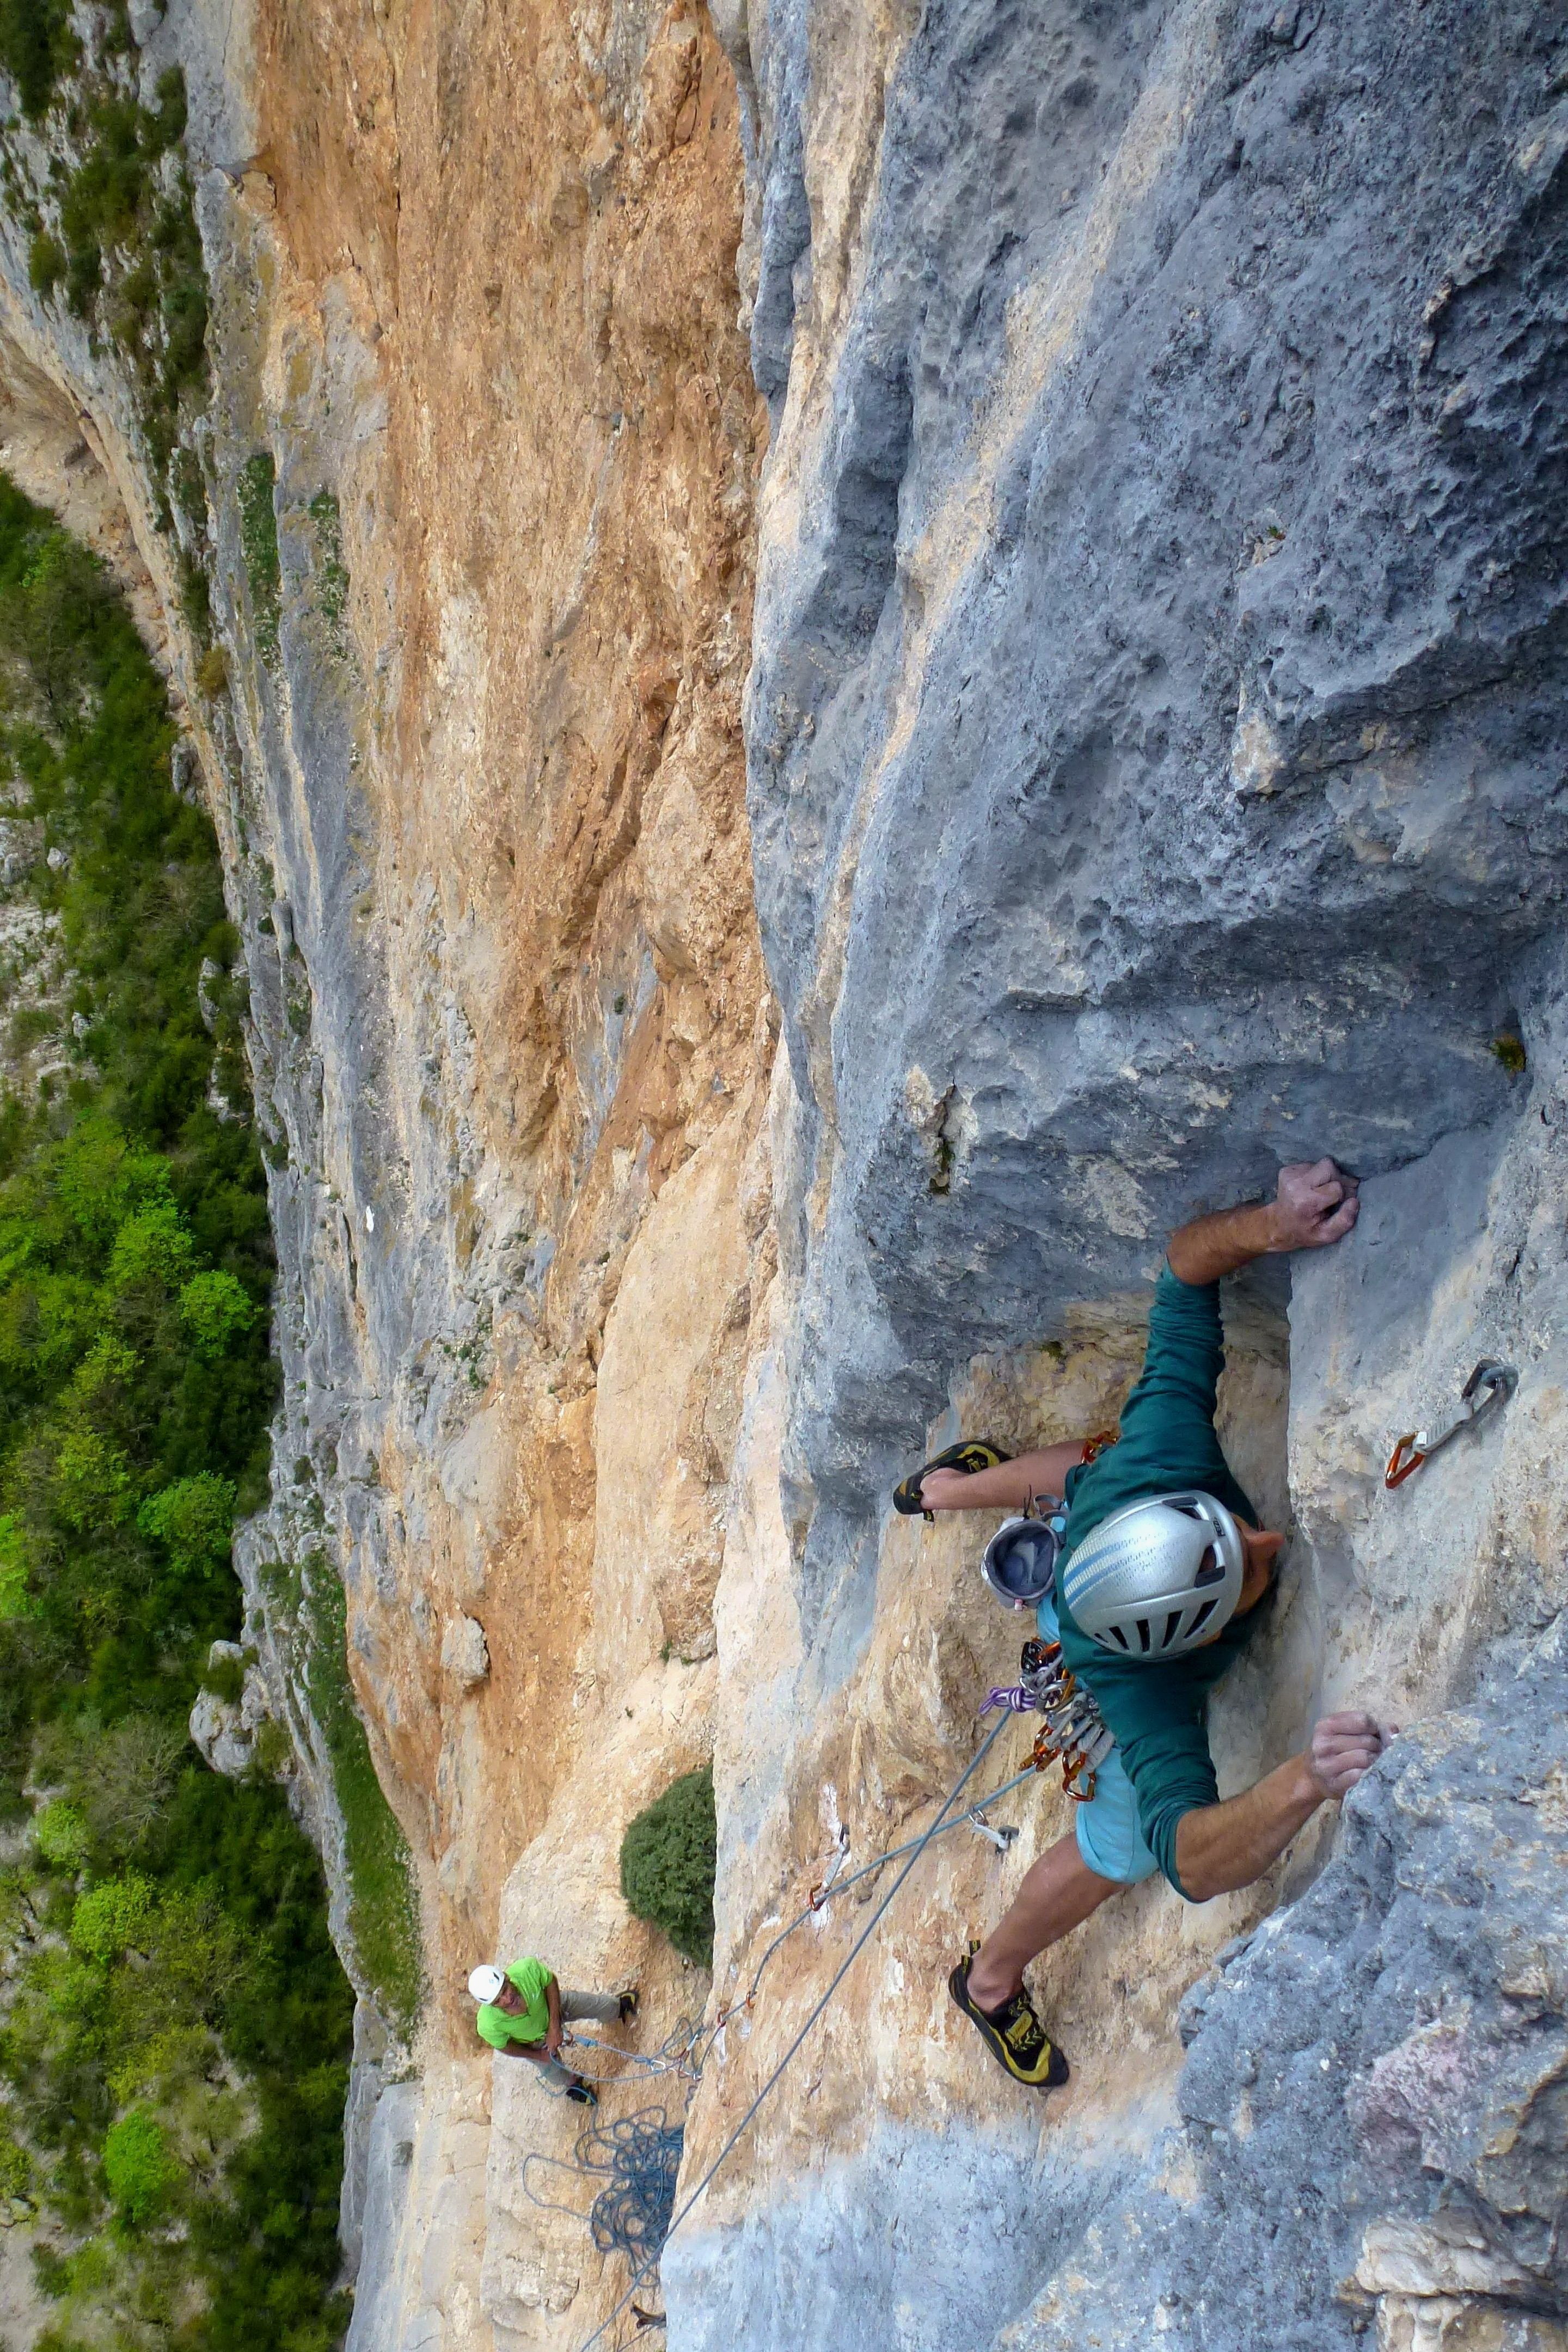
<point x="1373" y="2109"/>
<point x="1154" y="744"/>
<point x="1155" y="774"/>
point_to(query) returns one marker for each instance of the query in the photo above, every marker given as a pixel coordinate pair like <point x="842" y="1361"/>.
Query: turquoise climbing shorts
<point x="1110" y="1839"/>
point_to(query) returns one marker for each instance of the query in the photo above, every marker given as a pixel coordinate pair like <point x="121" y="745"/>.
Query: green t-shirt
<point x="1157" y="1712"/>
<point x="499" y="2026"/>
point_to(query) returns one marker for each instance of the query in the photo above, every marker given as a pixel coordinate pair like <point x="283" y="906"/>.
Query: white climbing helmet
<point x="1157" y="1577"/>
<point x="487" y="1983"/>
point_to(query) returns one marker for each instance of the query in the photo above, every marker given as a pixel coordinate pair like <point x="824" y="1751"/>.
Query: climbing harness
<point x="1489" y="1386"/>
<point x="1073" y="1733"/>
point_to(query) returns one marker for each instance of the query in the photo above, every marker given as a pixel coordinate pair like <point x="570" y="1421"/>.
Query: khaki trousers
<point x="598" y="2008"/>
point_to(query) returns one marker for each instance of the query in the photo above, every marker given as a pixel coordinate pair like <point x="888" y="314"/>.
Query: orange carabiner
<point x="1405" y="1461"/>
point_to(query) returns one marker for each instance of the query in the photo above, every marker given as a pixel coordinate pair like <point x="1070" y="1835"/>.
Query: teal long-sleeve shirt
<point x="1158" y="1712"/>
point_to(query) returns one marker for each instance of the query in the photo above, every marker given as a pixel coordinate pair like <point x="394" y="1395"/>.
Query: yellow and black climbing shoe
<point x="628" y="2004"/>
<point x="1013" y="2035"/>
<point x="584" y="2092"/>
<point x="971" y="1454"/>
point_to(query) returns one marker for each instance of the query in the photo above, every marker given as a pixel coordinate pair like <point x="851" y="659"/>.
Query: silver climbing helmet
<point x="1158" y="1578"/>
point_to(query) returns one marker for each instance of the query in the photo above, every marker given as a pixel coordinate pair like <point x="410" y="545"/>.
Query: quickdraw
<point x="1001" y="1834"/>
<point x="1489" y="1385"/>
<point x="824" y="1887"/>
<point x="1073" y="1733"/>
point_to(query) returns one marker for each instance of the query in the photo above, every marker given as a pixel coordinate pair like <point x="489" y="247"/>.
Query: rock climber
<point x="1159" y="1572"/>
<point x="523" y="2011"/>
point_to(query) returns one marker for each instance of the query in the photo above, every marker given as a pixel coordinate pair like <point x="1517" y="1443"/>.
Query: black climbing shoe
<point x="628" y="2004"/>
<point x="584" y="2092"/>
<point x="971" y="1454"/>
<point x="1013" y="2035"/>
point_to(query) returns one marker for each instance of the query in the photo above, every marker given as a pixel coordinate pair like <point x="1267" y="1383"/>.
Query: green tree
<point x="192" y="1520"/>
<point x="139" y="2167"/>
<point x="216" y="1308"/>
<point x="110" y="1918"/>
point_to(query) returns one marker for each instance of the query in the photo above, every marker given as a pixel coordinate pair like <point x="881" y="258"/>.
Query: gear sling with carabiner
<point x="1073" y="1733"/>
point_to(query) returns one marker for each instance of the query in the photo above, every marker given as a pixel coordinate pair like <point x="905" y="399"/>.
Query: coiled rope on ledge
<point x="637" y="2157"/>
<point x="644" y="2261"/>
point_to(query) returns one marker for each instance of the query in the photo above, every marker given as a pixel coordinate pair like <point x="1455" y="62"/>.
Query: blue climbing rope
<point x="637" y="2158"/>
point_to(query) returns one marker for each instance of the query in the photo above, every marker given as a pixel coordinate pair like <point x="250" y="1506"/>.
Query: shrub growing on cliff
<point x="669" y="1856"/>
<point x="383" y="1918"/>
<point x="37" y="46"/>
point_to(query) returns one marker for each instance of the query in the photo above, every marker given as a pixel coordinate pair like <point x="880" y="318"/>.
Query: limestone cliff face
<point x="1153" y="774"/>
<point x="1147" y="428"/>
<point x="477" y="469"/>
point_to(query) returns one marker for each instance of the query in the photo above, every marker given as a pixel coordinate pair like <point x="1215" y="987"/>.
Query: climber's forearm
<point x="1314" y="1203"/>
<point x="1211" y="1247"/>
<point x="1222" y="1847"/>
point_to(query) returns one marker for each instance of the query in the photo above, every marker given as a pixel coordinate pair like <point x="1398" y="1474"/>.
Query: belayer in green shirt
<point x="1160" y="1567"/>
<point x="522" y="2012"/>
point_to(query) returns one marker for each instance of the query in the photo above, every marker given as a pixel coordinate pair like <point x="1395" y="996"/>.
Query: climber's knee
<point x="1110" y="1839"/>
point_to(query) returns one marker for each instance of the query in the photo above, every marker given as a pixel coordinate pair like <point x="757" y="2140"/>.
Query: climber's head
<point x="487" y="1983"/>
<point x="1166" y="1575"/>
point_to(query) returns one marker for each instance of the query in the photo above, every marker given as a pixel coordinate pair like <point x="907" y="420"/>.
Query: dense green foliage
<point x="37" y="46"/>
<point x="112" y="225"/>
<point x="172" y="2054"/>
<point x="669" y="1856"/>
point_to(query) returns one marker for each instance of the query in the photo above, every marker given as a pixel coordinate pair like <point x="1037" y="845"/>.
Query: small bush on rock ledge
<point x="669" y="1856"/>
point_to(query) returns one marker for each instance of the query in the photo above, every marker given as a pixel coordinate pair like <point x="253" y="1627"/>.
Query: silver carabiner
<point x="1490" y="1384"/>
<point x="1000" y="1838"/>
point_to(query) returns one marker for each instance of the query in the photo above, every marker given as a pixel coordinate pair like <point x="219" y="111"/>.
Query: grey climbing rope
<point x="821" y="1895"/>
<point x="916" y="1847"/>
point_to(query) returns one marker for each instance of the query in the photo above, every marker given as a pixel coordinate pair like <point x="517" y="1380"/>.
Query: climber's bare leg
<point x="1010" y="1486"/>
<point x="1058" y="1894"/>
